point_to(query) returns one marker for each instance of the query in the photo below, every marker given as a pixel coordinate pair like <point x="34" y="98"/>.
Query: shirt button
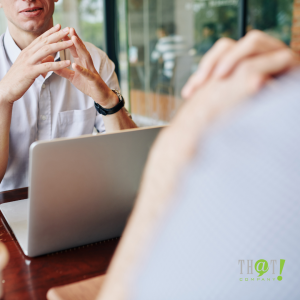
<point x="44" y="118"/>
<point x="44" y="86"/>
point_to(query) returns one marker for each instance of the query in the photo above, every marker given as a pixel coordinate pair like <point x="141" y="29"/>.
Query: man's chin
<point x="33" y="26"/>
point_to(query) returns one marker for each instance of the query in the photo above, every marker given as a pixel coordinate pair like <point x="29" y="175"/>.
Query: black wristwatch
<point x="103" y="111"/>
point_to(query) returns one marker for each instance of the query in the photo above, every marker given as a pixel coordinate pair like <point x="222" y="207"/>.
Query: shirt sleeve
<point x="237" y="203"/>
<point x="156" y="54"/>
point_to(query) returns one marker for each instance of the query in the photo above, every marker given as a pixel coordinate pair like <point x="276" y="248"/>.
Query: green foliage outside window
<point x="272" y="16"/>
<point x="86" y="16"/>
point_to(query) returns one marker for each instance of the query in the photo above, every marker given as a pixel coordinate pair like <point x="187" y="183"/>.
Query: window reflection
<point x="274" y="17"/>
<point x="86" y="16"/>
<point x="3" y="23"/>
<point x="167" y="40"/>
<point x="161" y="42"/>
<point x="123" y="51"/>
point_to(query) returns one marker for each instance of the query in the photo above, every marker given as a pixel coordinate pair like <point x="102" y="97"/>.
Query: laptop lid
<point x="82" y="190"/>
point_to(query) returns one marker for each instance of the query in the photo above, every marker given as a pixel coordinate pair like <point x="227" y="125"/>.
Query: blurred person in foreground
<point x="41" y="96"/>
<point x="221" y="184"/>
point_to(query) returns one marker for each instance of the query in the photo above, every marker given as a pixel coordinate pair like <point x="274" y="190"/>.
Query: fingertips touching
<point x="75" y="41"/>
<point x="68" y="43"/>
<point x="73" y="32"/>
<point x="66" y="30"/>
<point x="76" y="38"/>
<point x="62" y="65"/>
<point x="51" y="66"/>
<point x="79" y="47"/>
<point x="67" y="62"/>
<point x="72" y="48"/>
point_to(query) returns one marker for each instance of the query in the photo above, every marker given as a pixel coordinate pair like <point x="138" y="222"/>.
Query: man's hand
<point x="227" y="54"/>
<point x="85" y="77"/>
<point x="242" y="73"/>
<point x="32" y="62"/>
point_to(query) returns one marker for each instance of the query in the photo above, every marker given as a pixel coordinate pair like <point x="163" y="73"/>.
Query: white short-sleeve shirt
<point x="51" y="108"/>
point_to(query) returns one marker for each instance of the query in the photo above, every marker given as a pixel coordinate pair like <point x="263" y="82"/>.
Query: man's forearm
<point x="5" y="121"/>
<point x="118" y="121"/>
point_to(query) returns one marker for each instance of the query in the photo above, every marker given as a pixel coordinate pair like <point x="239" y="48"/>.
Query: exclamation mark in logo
<point x="282" y="262"/>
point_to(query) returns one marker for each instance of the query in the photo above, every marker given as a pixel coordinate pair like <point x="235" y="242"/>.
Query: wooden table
<point x="31" y="278"/>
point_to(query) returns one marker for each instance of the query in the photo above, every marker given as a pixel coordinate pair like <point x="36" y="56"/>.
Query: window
<point x="161" y="42"/>
<point x="273" y="17"/>
<point x="3" y="23"/>
<point x="167" y="39"/>
<point x="123" y="51"/>
<point x="86" y="16"/>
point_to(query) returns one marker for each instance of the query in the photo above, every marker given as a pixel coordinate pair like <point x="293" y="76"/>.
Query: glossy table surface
<point x="31" y="278"/>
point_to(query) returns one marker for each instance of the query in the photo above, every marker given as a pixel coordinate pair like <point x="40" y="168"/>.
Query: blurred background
<point x="157" y="44"/>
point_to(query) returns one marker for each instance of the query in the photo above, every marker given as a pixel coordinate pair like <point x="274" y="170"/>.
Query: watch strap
<point x="110" y="111"/>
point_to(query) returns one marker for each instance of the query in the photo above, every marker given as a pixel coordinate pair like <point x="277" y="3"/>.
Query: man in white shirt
<point x="41" y="97"/>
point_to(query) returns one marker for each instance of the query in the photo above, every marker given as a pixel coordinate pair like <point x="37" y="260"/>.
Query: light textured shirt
<point x="51" y="108"/>
<point x="169" y="48"/>
<point x="238" y="203"/>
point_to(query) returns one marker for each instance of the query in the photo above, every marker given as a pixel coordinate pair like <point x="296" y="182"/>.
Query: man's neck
<point x="25" y="38"/>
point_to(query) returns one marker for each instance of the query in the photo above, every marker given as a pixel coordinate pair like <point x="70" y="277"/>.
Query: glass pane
<point x="167" y="39"/>
<point x="295" y="39"/>
<point x="86" y="16"/>
<point x="3" y="23"/>
<point x="274" y="17"/>
<point x="123" y="51"/>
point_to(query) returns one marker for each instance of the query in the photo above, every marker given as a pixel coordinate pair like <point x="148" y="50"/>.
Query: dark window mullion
<point x="243" y="16"/>
<point x="112" y="31"/>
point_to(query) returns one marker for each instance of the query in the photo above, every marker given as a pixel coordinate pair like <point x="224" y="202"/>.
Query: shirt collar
<point x="13" y="51"/>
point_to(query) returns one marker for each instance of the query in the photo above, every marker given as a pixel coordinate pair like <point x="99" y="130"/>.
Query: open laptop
<point x="81" y="190"/>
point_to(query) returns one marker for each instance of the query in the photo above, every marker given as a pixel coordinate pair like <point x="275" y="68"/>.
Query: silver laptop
<point x="81" y="190"/>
